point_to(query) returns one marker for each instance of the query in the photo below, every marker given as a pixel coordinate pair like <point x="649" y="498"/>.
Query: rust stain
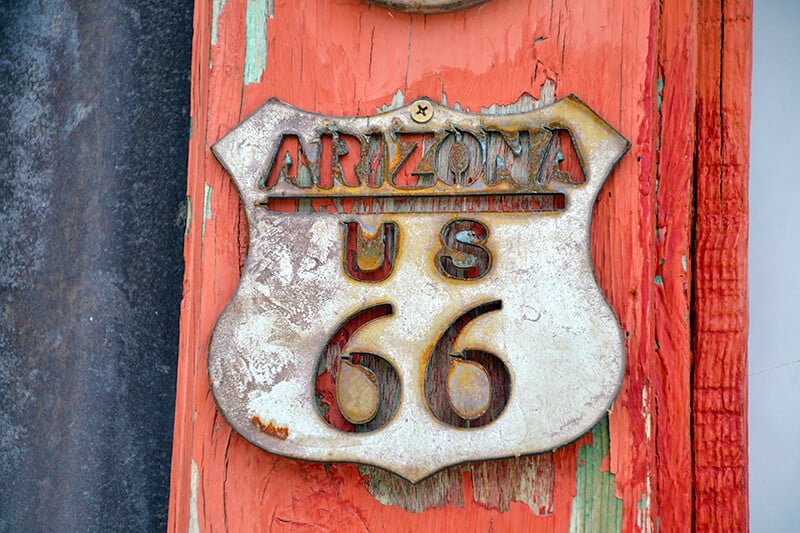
<point x="280" y="433"/>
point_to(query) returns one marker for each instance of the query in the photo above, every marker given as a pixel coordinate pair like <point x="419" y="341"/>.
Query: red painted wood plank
<point x="672" y="366"/>
<point x="190" y="340"/>
<point x="720" y="272"/>
<point x="634" y="62"/>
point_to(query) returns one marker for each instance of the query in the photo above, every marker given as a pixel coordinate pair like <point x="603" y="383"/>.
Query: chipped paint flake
<point x="646" y="414"/>
<point x="644" y="520"/>
<point x="255" y="54"/>
<point x="206" y="206"/>
<point x="643" y="517"/>
<point x="397" y="102"/>
<point x="216" y="11"/>
<point x="194" y="521"/>
<point x="526" y="102"/>
<point x="188" y="221"/>
<point x="660" y="89"/>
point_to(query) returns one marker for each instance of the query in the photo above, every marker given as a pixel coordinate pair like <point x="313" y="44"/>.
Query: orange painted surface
<point x="720" y="340"/>
<point x="675" y="277"/>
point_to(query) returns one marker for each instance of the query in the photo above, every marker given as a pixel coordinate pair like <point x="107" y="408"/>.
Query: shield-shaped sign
<point x="418" y="289"/>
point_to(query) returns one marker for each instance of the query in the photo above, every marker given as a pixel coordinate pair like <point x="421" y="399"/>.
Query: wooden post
<point x="668" y="241"/>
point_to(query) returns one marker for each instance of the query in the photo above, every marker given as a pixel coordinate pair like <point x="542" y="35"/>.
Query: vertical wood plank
<point x="183" y="481"/>
<point x="674" y="197"/>
<point x="720" y="272"/>
<point x="634" y="61"/>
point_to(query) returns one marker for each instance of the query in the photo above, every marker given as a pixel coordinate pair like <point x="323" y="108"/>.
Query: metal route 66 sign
<point x="418" y="290"/>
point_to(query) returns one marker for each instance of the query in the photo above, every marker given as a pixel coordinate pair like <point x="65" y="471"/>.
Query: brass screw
<point x="421" y="111"/>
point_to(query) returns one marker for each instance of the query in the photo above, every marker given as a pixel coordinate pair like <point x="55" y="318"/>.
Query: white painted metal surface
<point x="555" y="333"/>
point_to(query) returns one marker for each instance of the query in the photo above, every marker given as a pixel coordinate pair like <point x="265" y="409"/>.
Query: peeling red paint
<point x="345" y="58"/>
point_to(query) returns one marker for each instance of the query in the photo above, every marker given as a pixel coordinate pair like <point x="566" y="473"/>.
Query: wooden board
<point x="668" y="241"/>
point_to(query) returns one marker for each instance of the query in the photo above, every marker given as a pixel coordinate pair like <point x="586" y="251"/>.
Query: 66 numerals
<point x="360" y="391"/>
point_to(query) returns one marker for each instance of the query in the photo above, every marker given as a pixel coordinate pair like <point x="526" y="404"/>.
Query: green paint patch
<point x="216" y="11"/>
<point x="684" y="263"/>
<point x="643" y="519"/>
<point x="255" y="52"/>
<point x="206" y="206"/>
<point x="595" y="507"/>
<point x="659" y="281"/>
<point x="642" y="504"/>
<point x="660" y="89"/>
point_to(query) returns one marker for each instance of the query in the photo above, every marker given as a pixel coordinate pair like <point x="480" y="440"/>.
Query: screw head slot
<point x="421" y="111"/>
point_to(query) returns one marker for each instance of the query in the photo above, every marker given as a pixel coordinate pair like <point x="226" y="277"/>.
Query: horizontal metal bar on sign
<point x="473" y="203"/>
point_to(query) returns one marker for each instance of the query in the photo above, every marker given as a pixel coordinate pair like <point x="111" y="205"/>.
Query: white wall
<point x="774" y="355"/>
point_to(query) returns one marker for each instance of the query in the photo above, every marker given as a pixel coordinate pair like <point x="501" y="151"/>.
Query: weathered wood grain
<point x="719" y="403"/>
<point x="674" y="277"/>
<point x="673" y="195"/>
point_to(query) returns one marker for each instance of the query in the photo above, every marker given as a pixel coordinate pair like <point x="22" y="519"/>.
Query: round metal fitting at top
<point x="426" y="6"/>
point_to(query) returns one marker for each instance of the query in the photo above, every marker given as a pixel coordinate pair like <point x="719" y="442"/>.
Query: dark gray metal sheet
<point x="94" y="129"/>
